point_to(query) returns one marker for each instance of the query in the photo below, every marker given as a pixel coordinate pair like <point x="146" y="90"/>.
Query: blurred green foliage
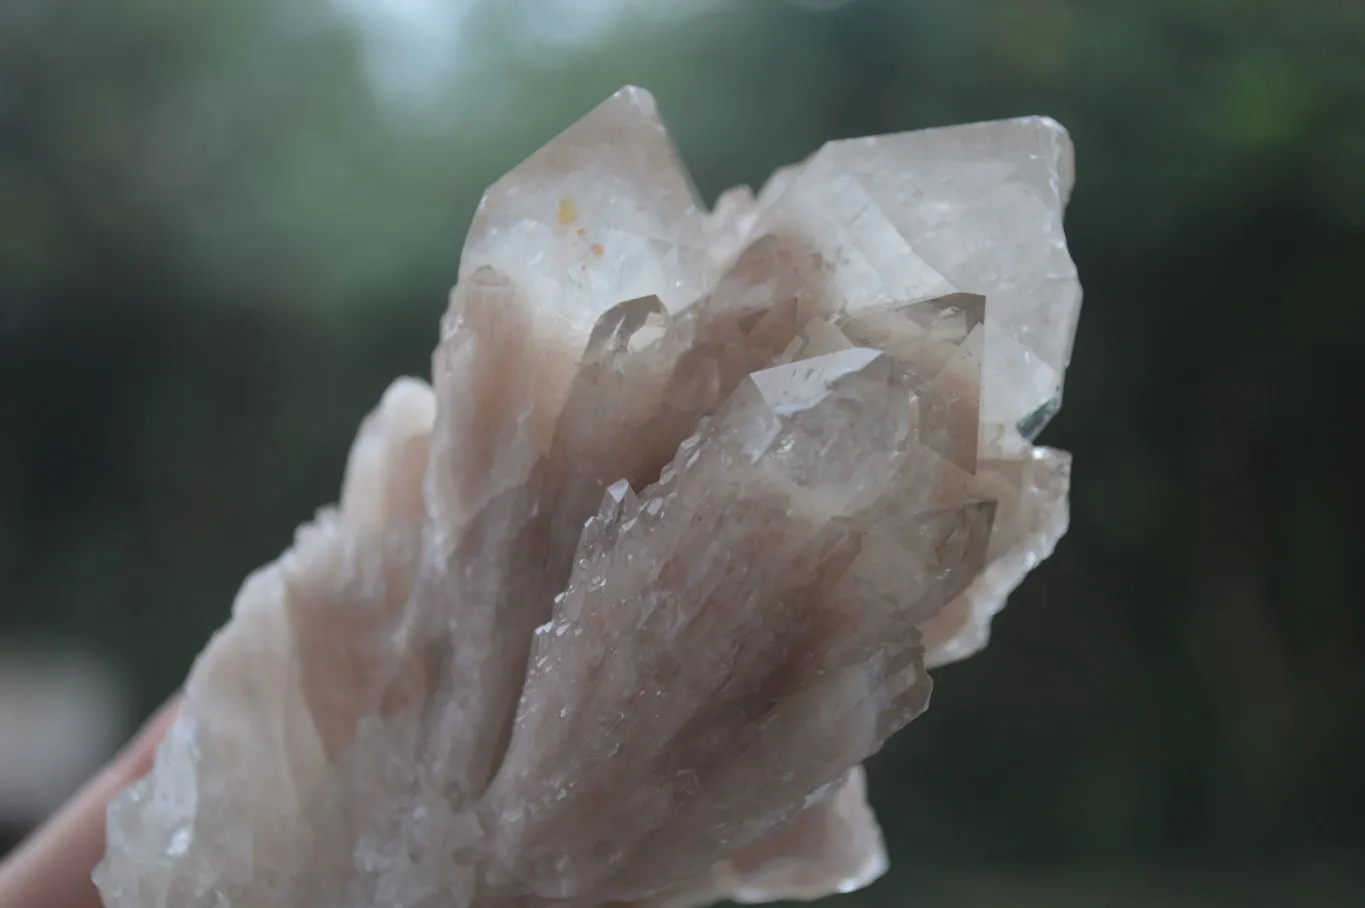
<point x="221" y="235"/>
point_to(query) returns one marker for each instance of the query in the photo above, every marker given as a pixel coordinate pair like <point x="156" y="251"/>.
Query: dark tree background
<point x="224" y="227"/>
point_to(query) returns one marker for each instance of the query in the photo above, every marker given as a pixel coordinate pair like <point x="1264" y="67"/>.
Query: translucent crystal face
<point x="613" y="609"/>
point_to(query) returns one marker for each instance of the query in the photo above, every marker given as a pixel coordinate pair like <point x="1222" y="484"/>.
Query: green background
<point x="224" y="227"/>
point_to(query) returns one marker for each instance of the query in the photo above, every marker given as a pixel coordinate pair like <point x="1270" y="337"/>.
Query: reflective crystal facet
<point x="611" y="612"/>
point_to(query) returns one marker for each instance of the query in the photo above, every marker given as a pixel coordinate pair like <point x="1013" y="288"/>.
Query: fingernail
<point x="139" y="754"/>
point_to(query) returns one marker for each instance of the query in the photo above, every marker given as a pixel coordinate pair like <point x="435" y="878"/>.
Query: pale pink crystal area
<point x="612" y="611"/>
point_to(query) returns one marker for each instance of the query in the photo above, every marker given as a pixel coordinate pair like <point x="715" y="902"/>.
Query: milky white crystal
<point x="613" y="609"/>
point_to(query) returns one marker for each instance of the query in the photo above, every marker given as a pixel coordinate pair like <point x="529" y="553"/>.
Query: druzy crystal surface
<point x="613" y="609"/>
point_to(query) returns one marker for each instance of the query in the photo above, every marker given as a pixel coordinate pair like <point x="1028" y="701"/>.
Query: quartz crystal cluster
<point x="612" y="610"/>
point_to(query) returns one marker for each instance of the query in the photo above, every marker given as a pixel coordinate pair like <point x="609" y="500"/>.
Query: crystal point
<point x="612" y="611"/>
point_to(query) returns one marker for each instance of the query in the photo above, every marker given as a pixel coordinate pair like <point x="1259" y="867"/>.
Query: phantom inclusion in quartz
<point x="612" y="610"/>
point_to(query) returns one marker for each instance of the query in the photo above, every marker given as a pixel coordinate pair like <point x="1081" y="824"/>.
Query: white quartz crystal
<point x="612" y="611"/>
